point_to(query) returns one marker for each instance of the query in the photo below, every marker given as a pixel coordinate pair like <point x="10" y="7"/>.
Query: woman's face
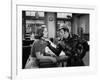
<point x="45" y="33"/>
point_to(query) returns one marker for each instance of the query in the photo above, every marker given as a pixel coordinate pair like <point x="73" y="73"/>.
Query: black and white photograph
<point x="52" y="40"/>
<point x="55" y="39"/>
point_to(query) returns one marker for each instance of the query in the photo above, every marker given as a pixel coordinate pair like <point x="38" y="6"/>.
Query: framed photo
<point x="33" y="57"/>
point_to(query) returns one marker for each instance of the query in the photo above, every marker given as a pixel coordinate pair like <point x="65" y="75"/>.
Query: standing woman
<point x="38" y="49"/>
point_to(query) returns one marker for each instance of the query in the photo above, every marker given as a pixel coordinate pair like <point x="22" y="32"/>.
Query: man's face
<point x="64" y="34"/>
<point x="61" y="32"/>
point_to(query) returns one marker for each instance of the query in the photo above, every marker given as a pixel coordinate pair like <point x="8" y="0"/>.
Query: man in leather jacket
<point x="74" y="47"/>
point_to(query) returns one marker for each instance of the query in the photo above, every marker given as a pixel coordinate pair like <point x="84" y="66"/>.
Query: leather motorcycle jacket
<point x="72" y="46"/>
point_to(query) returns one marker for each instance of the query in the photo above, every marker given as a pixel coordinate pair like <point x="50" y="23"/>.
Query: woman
<point x="38" y="49"/>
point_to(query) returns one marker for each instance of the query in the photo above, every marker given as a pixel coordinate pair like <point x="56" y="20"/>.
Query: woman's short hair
<point x="39" y="32"/>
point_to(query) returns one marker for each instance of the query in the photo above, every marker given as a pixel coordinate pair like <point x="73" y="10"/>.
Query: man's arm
<point x="56" y="50"/>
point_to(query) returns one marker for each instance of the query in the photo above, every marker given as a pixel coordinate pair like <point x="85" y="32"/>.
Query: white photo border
<point x="18" y="72"/>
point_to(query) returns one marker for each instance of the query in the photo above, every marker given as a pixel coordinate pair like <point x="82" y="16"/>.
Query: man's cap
<point x="64" y="27"/>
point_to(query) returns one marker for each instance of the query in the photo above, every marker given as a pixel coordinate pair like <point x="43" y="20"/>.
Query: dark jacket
<point x="72" y="46"/>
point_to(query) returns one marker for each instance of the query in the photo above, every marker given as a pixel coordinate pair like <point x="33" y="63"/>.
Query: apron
<point x="31" y="63"/>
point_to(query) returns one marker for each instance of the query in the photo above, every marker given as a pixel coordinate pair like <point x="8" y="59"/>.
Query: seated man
<point x="72" y="45"/>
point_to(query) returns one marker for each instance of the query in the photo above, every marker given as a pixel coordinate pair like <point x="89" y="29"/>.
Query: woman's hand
<point x="52" y="55"/>
<point x="54" y="60"/>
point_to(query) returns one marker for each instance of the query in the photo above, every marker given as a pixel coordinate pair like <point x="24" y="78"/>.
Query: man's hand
<point x="62" y="58"/>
